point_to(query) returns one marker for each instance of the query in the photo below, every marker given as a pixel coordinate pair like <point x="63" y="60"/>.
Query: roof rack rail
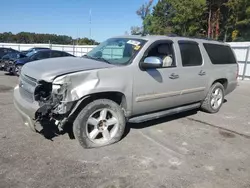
<point x="172" y="35"/>
<point x="203" y="38"/>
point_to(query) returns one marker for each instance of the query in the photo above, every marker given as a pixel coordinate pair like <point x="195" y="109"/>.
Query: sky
<point x="70" y="17"/>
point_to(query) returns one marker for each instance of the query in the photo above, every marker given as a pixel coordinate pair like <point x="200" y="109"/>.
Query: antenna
<point x="90" y="20"/>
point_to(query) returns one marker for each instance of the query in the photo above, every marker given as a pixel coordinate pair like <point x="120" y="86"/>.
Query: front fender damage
<point x="57" y="100"/>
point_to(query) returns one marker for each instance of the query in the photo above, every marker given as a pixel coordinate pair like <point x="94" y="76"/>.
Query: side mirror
<point x="152" y="63"/>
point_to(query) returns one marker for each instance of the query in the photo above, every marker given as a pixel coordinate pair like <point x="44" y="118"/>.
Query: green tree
<point x="187" y="20"/>
<point x="26" y="37"/>
<point x="239" y="19"/>
<point x="216" y="19"/>
<point x="143" y="12"/>
<point x="174" y="16"/>
<point x="135" y="30"/>
<point x="160" y="21"/>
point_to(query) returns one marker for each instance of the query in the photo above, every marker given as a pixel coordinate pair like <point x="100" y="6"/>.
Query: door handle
<point x="202" y="73"/>
<point x="174" y="76"/>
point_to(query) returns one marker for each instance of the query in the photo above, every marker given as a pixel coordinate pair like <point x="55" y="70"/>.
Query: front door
<point x="157" y="89"/>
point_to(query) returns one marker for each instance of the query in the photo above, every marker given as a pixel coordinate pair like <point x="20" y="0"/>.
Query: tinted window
<point x="67" y="54"/>
<point x="6" y="57"/>
<point x="40" y="55"/>
<point x="11" y="50"/>
<point x="220" y="54"/>
<point x="57" y="54"/>
<point x="190" y="54"/>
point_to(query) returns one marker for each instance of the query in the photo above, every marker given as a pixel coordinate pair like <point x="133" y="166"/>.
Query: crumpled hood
<point x="48" y="69"/>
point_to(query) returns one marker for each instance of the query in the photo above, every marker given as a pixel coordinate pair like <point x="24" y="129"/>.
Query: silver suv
<point x="125" y="79"/>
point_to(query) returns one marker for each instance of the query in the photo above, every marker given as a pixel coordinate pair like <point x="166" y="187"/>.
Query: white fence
<point x="242" y="51"/>
<point x="77" y="50"/>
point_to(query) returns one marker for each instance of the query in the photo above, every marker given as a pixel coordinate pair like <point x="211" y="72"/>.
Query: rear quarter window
<point x="220" y="54"/>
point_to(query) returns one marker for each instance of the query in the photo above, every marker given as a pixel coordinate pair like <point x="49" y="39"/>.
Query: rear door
<point x="193" y="72"/>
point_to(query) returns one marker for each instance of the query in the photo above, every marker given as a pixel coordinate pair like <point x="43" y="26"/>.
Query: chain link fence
<point x="242" y="51"/>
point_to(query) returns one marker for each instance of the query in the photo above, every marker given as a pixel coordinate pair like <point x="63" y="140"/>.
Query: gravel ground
<point x="191" y="150"/>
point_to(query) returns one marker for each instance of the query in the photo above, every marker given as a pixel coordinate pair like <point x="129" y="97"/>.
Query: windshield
<point x="30" y="53"/>
<point x="116" y="50"/>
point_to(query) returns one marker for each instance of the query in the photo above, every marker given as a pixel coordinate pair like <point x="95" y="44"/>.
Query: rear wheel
<point x="214" y="99"/>
<point x="100" y="123"/>
<point x="17" y="70"/>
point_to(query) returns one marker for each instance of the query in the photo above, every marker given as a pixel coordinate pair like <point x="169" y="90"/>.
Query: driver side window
<point x="164" y="51"/>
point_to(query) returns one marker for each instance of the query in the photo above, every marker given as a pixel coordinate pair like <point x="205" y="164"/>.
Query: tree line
<point x="227" y="20"/>
<point x="28" y="38"/>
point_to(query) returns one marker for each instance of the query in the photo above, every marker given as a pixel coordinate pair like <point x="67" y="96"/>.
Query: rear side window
<point x="220" y="54"/>
<point x="41" y="55"/>
<point x="67" y="54"/>
<point x="57" y="54"/>
<point x="190" y="54"/>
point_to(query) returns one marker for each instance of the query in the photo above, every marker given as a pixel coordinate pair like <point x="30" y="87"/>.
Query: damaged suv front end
<point x="93" y="93"/>
<point x="58" y="99"/>
<point x="53" y="98"/>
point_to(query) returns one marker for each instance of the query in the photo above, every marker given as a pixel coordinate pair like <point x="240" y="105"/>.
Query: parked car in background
<point x="9" y="65"/>
<point x="34" y="49"/>
<point x="33" y="56"/>
<point x="24" y="51"/>
<point x="4" y="51"/>
<point x="9" y="59"/>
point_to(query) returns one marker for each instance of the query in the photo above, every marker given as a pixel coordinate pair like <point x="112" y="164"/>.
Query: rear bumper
<point x="26" y="109"/>
<point x="231" y="87"/>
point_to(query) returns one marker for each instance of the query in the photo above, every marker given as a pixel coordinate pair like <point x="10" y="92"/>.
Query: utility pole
<point x="90" y="20"/>
<point x="77" y="36"/>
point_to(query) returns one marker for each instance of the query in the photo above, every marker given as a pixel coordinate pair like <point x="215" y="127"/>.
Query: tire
<point x="211" y="97"/>
<point x="86" y="132"/>
<point x="17" y="70"/>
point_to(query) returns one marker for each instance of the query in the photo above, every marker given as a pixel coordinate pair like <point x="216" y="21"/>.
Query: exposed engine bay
<point x="58" y="99"/>
<point x="51" y="104"/>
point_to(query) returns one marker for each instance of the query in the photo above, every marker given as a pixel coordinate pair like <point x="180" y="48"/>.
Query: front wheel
<point x="100" y="123"/>
<point x="17" y="70"/>
<point x="214" y="99"/>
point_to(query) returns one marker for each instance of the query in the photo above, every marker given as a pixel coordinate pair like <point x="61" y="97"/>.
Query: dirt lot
<point x="192" y="150"/>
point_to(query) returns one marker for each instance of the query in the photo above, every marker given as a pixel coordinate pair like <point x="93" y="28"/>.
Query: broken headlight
<point x="58" y="89"/>
<point x="42" y="91"/>
<point x="59" y="85"/>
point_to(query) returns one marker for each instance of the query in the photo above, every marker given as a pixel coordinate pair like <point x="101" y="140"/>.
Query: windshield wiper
<point x="103" y="59"/>
<point x="89" y="57"/>
<point x="97" y="58"/>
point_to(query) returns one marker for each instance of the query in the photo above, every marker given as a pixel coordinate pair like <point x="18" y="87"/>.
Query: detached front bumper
<point x="26" y="109"/>
<point x="2" y="65"/>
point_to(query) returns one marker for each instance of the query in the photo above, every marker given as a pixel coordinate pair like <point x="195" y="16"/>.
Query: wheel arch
<point x="223" y="81"/>
<point x="115" y="96"/>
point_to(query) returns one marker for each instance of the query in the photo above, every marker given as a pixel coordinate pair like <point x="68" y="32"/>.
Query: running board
<point x="156" y="115"/>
